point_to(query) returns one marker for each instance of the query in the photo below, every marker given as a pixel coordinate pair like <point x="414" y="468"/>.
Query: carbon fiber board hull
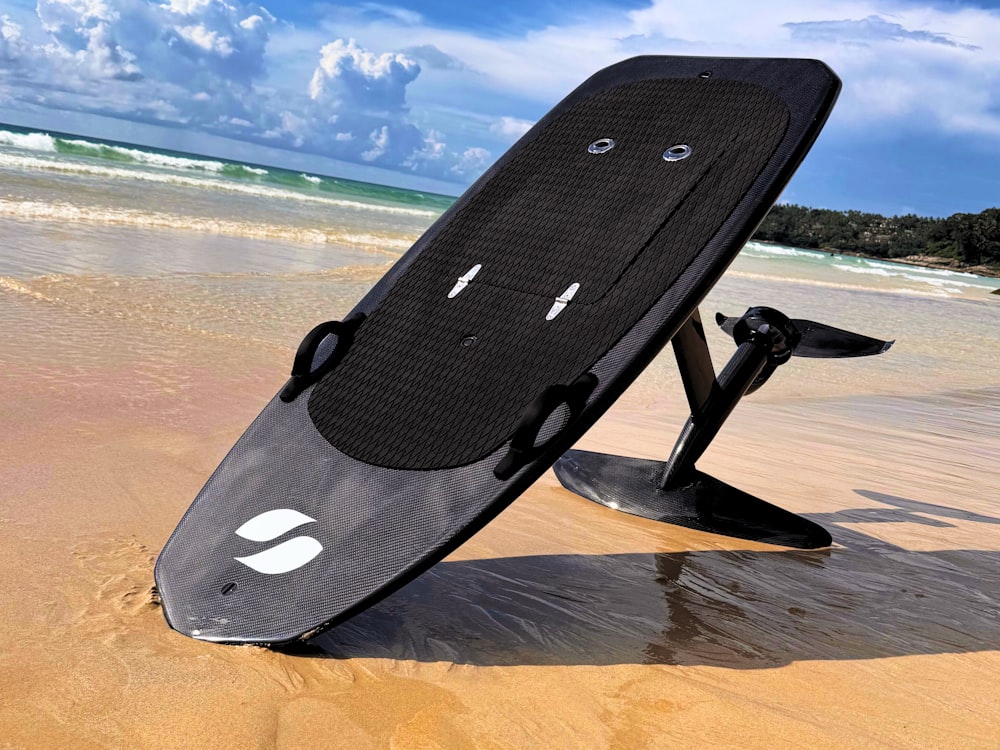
<point x="574" y="259"/>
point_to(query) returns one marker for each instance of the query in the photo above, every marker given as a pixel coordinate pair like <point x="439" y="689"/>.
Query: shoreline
<point x="931" y="262"/>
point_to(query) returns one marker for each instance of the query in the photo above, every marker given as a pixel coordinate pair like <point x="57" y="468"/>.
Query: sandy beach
<point x="562" y="624"/>
<point x="145" y="321"/>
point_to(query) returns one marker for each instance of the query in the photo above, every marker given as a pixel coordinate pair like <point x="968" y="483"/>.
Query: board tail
<point x="674" y="491"/>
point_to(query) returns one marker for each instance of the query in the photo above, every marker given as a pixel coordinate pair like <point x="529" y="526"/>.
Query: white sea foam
<point x="311" y="178"/>
<point x="16" y="161"/>
<point x="924" y="290"/>
<point x="782" y="251"/>
<point x="68" y="212"/>
<point x="869" y="271"/>
<point x="374" y="240"/>
<point x="925" y="270"/>
<point x="28" y="141"/>
<point x="943" y="283"/>
<point x="152" y="159"/>
<point x="915" y="274"/>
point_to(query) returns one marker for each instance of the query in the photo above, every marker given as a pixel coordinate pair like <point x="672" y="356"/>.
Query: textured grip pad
<point x="623" y="225"/>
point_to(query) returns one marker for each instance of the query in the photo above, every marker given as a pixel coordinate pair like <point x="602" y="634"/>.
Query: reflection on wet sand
<point x="862" y="599"/>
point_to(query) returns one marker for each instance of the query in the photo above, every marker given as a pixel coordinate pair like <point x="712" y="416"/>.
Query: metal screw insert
<point x="601" y="145"/>
<point x="678" y="152"/>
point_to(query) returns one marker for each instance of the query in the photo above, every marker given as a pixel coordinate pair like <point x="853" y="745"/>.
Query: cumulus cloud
<point x="383" y="86"/>
<point x="348" y="75"/>
<point x="167" y="52"/>
<point x="357" y="107"/>
<point x="203" y="64"/>
<point x="87" y="37"/>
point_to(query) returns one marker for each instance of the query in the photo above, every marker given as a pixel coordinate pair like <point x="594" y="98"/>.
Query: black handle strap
<point x="523" y="448"/>
<point x="302" y="373"/>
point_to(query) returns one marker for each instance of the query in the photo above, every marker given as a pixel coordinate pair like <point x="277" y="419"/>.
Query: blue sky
<point x="427" y="94"/>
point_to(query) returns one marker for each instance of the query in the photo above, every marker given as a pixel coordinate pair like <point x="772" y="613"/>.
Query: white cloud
<point x="904" y="66"/>
<point x="510" y="128"/>
<point x="11" y="46"/>
<point x="473" y="161"/>
<point x="434" y="58"/>
<point x="379" y="84"/>
<point x="865" y="31"/>
<point x="252" y="23"/>
<point x="882" y="51"/>
<point x="210" y="41"/>
<point x="433" y="150"/>
<point x="379" y="144"/>
<point x="187" y="7"/>
<point x="402" y="15"/>
<point x="350" y="75"/>
<point x="362" y="92"/>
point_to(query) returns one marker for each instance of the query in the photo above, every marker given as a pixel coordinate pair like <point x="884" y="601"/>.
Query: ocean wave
<point x="911" y="273"/>
<point x="68" y="212"/>
<point x="926" y="270"/>
<point x="869" y="271"/>
<point x="941" y="282"/>
<point x="860" y="265"/>
<point x="924" y="290"/>
<point x="46" y="143"/>
<point x="782" y="251"/>
<point x="17" y="161"/>
<point x="157" y="160"/>
<point x="136" y="156"/>
<point x="28" y="141"/>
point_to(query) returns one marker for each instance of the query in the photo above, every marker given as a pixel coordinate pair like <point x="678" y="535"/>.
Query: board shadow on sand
<point x="738" y="609"/>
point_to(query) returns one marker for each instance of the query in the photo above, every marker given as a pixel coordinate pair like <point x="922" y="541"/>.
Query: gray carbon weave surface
<point x="368" y="535"/>
<point x="623" y="225"/>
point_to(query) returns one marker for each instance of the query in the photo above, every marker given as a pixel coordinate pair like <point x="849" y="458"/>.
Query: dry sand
<point x="562" y="624"/>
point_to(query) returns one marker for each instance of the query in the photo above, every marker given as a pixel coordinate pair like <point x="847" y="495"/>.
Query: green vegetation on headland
<point x="969" y="242"/>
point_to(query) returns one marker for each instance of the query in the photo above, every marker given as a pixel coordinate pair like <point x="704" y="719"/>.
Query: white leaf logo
<point x="286" y="556"/>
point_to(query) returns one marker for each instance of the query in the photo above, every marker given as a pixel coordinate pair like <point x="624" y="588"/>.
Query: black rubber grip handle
<point x="522" y="448"/>
<point x="302" y="373"/>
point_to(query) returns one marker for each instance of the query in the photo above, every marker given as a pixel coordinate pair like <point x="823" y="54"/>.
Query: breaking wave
<point x="32" y="150"/>
<point x="68" y="212"/>
<point x="35" y="163"/>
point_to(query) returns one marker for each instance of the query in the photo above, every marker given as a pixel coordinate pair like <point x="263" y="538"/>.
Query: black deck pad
<point x="330" y="502"/>
<point x="622" y="224"/>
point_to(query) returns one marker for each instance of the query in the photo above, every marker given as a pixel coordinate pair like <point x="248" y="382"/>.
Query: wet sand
<point x="562" y="624"/>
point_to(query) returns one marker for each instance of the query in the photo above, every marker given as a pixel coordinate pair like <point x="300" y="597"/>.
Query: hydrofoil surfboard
<point x="495" y="342"/>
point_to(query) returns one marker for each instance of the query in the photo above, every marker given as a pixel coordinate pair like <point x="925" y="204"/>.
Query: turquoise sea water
<point x="251" y="251"/>
<point x="93" y="190"/>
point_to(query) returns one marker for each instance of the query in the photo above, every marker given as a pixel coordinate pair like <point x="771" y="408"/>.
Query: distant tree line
<point x="969" y="239"/>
